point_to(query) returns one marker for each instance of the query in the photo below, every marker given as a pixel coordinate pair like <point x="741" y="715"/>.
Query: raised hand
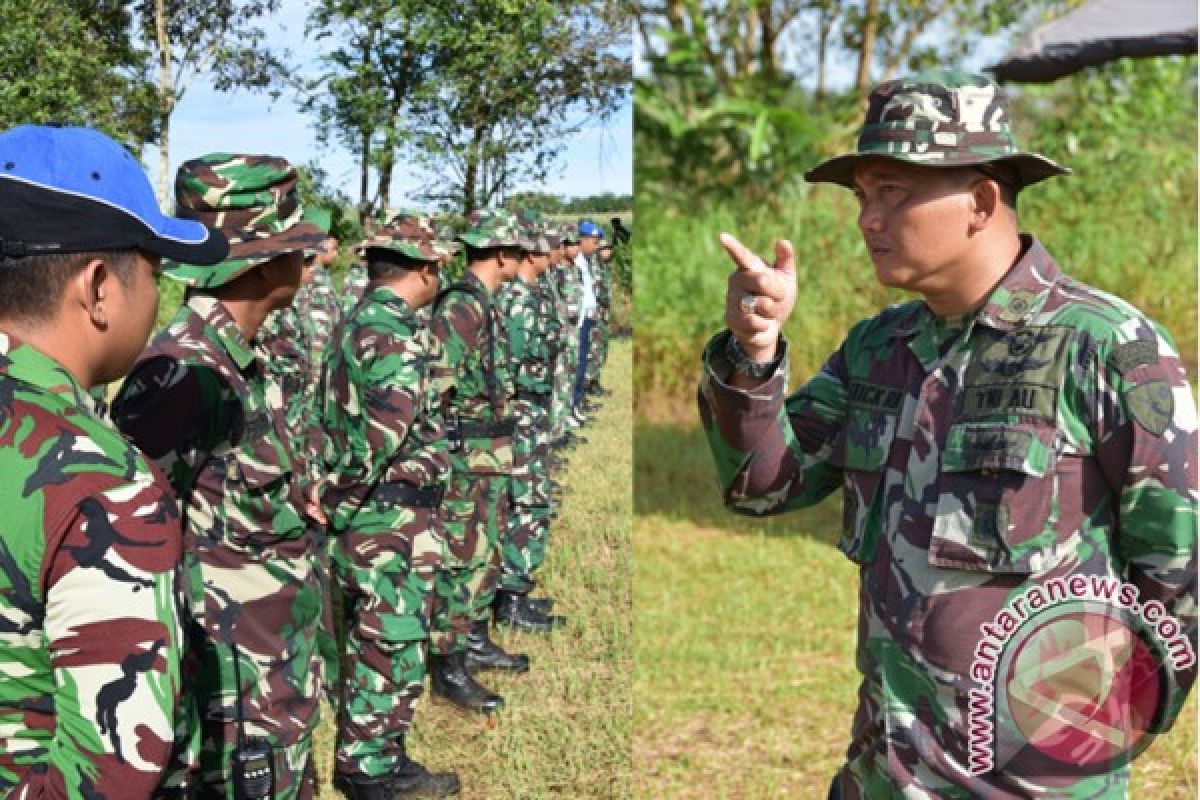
<point x="760" y="296"/>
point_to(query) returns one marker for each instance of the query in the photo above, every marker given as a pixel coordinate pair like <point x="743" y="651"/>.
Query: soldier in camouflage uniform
<point x="1010" y="428"/>
<point x="201" y="404"/>
<point x="523" y="546"/>
<point x="570" y="286"/>
<point x="387" y="462"/>
<point x="476" y="387"/>
<point x="555" y="326"/>
<point x="90" y="639"/>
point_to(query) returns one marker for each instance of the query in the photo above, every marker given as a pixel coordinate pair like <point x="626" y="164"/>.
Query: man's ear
<point x="92" y="289"/>
<point x="985" y="202"/>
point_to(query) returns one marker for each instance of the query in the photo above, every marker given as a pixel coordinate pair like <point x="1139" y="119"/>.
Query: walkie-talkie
<point x="253" y="764"/>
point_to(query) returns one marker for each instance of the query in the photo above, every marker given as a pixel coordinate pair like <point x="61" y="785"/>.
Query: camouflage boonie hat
<point x="567" y="234"/>
<point x="491" y="228"/>
<point x="938" y="118"/>
<point x="252" y="199"/>
<point x="412" y="236"/>
<point x="537" y="235"/>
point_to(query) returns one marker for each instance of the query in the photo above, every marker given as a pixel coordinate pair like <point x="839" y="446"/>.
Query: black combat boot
<point x="513" y="610"/>
<point x="448" y="678"/>
<point x="542" y="605"/>
<point x="411" y="780"/>
<point x="483" y="653"/>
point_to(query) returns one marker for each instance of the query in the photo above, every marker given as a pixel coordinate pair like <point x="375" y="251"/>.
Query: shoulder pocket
<point x="996" y="498"/>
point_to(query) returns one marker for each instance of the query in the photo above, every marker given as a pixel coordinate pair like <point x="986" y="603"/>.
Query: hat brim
<point x="1030" y="168"/>
<point x="413" y="252"/>
<point x="481" y="242"/>
<point x="245" y="255"/>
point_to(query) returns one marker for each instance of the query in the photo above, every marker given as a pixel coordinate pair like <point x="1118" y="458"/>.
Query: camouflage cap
<point x="491" y="228"/>
<point x="567" y="234"/>
<point x="538" y="238"/>
<point x="252" y="199"/>
<point x="938" y="118"/>
<point x="412" y="236"/>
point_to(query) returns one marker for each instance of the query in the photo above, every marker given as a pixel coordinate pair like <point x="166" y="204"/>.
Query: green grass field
<point x="566" y="729"/>
<point x="744" y="679"/>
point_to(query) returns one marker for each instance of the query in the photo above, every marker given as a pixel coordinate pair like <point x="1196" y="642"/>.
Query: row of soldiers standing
<point x="167" y="629"/>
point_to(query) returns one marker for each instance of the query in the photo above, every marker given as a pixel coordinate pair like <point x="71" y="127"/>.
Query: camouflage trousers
<point x="597" y="347"/>
<point x="474" y="512"/>
<point x="263" y="603"/>
<point x="386" y="573"/>
<point x="524" y="545"/>
<point x="560" y="403"/>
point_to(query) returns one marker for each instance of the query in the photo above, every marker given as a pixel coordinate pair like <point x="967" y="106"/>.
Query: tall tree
<point x="220" y="39"/>
<point x="74" y="63"/>
<point x="511" y="81"/>
<point x="382" y="51"/>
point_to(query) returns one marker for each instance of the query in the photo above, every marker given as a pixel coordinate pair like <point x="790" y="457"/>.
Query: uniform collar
<point x="1023" y="290"/>
<point x="1019" y="295"/>
<point x="27" y="364"/>
<point x="228" y="334"/>
<point x="471" y="278"/>
<point x="387" y="296"/>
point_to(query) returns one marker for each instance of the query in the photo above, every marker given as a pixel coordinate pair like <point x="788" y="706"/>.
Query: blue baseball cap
<point x="589" y="228"/>
<point x="74" y="190"/>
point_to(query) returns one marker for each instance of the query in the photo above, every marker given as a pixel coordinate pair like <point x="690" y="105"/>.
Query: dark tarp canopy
<point x="1100" y="31"/>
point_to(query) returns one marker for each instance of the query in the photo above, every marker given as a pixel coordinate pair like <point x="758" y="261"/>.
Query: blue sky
<point x="597" y="159"/>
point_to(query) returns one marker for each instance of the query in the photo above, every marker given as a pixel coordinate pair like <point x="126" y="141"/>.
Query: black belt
<point x="532" y="396"/>
<point x="405" y="494"/>
<point x="486" y="430"/>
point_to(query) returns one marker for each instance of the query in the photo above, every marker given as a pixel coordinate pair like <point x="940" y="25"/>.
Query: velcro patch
<point x="1151" y="405"/>
<point x="872" y="397"/>
<point x="1130" y="355"/>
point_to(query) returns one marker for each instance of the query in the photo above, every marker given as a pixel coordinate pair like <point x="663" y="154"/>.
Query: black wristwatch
<point x="742" y="363"/>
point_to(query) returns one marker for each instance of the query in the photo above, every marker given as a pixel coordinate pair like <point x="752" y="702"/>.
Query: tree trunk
<point x="387" y="164"/>
<point x="471" y="174"/>
<point x="364" y="174"/>
<point x="866" y="54"/>
<point x="166" y="104"/>
<point x="824" y="24"/>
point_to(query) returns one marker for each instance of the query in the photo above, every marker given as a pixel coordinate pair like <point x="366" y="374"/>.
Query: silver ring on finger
<point x="748" y="303"/>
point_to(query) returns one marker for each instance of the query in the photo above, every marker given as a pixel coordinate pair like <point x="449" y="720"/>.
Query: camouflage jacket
<point x="602" y="275"/>
<point x="200" y="404"/>
<point x="569" y="279"/>
<point x="1050" y="434"/>
<point x="529" y="346"/>
<point x="287" y="337"/>
<point x="317" y="303"/>
<point x="89" y="624"/>
<point x="472" y="376"/>
<point x="379" y="409"/>
<point x="354" y="286"/>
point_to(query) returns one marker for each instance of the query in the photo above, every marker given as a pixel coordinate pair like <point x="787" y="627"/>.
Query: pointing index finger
<point x="742" y="257"/>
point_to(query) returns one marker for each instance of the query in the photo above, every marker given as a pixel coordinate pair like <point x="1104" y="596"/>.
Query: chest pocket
<point x="861" y="452"/>
<point x="997" y="498"/>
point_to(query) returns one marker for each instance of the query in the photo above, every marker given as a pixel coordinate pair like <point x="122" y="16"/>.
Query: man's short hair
<point x="1005" y="177"/>
<point x="480" y="253"/>
<point x="387" y="264"/>
<point x="31" y="287"/>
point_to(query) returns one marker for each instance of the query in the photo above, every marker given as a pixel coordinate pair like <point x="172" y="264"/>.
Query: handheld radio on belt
<point x="253" y="759"/>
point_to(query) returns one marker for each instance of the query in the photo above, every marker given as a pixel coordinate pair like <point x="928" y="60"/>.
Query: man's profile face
<point x="284" y="275"/>
<point x="915" y="222"/>
<point x="588" y="244"/>
<point x="571" y="250"/>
